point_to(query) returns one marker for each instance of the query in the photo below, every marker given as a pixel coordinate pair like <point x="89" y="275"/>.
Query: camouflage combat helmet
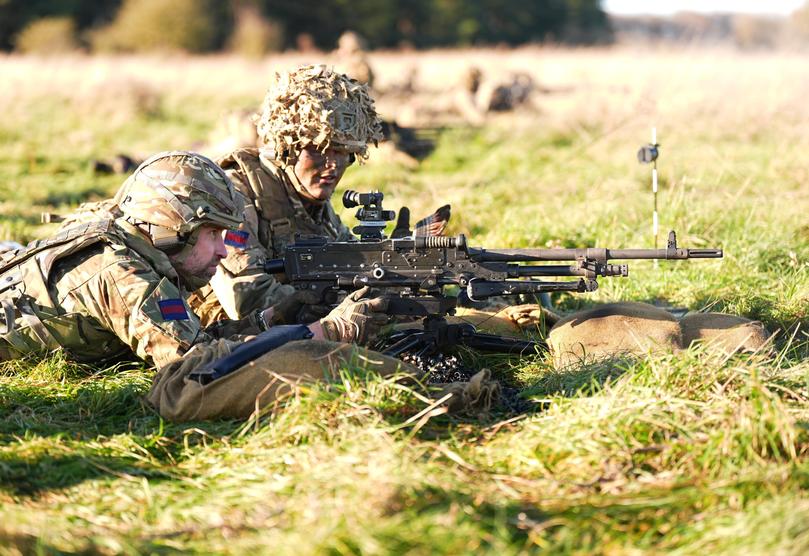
<point x="174" y="193"/>
<point x="315" y="106"/>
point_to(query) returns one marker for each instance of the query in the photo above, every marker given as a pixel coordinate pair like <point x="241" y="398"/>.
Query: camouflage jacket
<point x="99" y="292"/>
<point x="91" y="212"/>
<point x="274" y="213"/>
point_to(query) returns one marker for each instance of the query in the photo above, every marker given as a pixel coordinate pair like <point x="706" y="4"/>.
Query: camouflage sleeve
<point x="240" y="283"/>
<point x="161" y="327"/>
<point x="145" y="310"/>
<point x="227" y="328"/>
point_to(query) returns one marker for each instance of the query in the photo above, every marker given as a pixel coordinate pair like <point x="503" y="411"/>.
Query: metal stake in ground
<point x="648" y="155"/>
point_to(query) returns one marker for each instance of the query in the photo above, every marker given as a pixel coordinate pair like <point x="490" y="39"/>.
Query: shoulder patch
<point x="236" y="238"/>
<point x="172" y="309"/>
<point x="165" y="309"/>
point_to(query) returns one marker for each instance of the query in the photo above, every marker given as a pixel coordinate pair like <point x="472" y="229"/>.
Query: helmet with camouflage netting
<point x="315" y="106"/>
<point x="174" y="193"/>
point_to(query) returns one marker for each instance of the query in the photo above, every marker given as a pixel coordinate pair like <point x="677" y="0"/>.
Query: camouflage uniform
<point x="94" y="291"/>
<point x="274" y="213"/>
<point x="112" y="288"/>
<point x="106" y="289"/>
<point x="311" y="106"/>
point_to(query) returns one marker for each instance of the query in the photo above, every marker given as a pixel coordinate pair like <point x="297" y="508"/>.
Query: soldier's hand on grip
<point x="358" y="318"/>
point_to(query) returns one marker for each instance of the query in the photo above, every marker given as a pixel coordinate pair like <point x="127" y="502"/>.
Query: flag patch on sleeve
<point x="236" y="238"/>
<point x="173" y="309"/>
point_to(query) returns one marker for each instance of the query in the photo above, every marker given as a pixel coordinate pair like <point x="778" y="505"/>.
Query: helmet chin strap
<point x="182" y="255"/>
<point x="191" y="281"/>
<point x="300" y="188"/>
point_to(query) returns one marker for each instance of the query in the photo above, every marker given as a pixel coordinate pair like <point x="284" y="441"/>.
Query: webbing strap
<point x="37" y="327"/>
<point x="90" y="231"/>
<point x="8" y="317"/>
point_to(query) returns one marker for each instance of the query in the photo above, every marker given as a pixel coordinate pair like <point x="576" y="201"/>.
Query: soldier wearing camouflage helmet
<point x="313" y="124"/>
<point x="105" y="290"/>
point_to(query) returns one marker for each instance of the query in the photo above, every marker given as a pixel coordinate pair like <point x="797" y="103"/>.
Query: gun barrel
<point x="592" y="253"/>
<point x="678" y="253"/>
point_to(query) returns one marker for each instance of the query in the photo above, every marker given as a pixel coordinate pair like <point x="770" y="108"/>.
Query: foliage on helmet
<point x="180" y="191"/>
<point x="315" y="106"/>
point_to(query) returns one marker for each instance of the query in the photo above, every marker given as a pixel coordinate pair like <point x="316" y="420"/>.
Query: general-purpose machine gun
<point x="415" y="270"/>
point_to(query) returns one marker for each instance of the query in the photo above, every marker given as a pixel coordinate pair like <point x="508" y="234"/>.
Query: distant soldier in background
<point x="476" y="96"/>
<point x="473" y="97"/>
<point x="350" y="58"/>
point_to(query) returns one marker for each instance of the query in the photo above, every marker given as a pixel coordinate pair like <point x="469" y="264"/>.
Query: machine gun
<point x="414" y="271"/>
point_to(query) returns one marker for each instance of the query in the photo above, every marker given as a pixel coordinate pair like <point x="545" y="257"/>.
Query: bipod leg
<point x="411" y="339"/>
<point x="447" y="336"/>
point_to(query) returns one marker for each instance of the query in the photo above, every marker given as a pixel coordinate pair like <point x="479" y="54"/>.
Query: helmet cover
<point x="316" y="106"/>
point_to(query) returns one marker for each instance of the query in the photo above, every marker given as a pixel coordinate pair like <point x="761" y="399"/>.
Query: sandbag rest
<point x="635" y="329"/>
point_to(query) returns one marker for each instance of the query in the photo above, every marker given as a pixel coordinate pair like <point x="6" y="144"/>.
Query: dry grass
<point x="683" y="453"/>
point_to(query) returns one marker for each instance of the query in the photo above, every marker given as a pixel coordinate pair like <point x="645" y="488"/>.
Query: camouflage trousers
<point x="261" y="383"/>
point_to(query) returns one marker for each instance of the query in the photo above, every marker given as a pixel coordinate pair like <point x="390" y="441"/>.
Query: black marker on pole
<point x="648" y="155"/>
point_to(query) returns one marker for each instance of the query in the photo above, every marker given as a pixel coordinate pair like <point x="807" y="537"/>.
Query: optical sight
<point x="373" y="218"/>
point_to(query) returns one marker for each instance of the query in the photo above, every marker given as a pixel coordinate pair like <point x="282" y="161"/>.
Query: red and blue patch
<point x="236" y="238"/>
<point x="173" y="309"/>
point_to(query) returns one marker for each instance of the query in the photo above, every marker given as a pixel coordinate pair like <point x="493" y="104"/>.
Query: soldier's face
<point x="320" y="172"/>
<point x="206" y="253"/>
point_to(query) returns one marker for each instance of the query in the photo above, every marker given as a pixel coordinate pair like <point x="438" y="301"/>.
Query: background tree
<point x="202" y="25"/>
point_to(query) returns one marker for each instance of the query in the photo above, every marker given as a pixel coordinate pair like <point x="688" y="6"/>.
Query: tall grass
<point x="682" y="453"/>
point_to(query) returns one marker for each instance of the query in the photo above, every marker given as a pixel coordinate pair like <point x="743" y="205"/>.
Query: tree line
<point x="267" y="25"/>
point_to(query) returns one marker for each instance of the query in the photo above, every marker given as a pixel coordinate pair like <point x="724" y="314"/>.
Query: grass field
<point x="682" y="453"/>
